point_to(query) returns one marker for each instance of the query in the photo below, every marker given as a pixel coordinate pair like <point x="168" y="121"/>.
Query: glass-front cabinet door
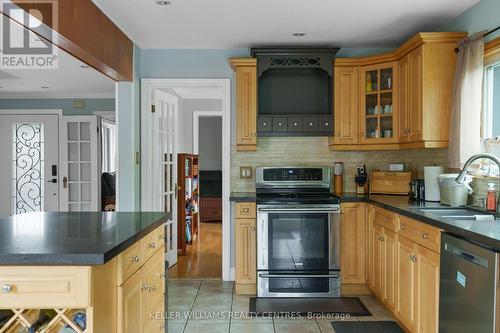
<point x="378" y="116"/>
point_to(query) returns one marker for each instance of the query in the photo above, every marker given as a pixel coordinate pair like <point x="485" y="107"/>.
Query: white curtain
<point x="465" y="119"/>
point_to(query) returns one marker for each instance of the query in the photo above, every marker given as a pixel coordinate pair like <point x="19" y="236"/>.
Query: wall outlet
<point x="246" y="172"/>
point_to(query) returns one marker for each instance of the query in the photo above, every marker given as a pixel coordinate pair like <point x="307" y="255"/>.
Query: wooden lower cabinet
<point x="353" y="243"/>
<point x="403" y="273"/>
<point x="390" y="271"/>
<point x="406" y="286"/>
<point x="427" y="290"/>
<point x="131" y="304"/>
<point x="246" y="250"/>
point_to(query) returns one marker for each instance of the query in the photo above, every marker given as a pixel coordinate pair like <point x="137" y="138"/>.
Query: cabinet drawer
<point x="245" y="210"/>
<point x="150" y="244"/>
<point x="295" y="124"/>
<point x="280" y="124"/>
<point x="130" y="261"/>
<point x="265" y="124"/>
<point x="310" y="124"/>
<point x="384" y="218"/>
<point x="325" y="124"/>
<point x="421" y="233"/>
<point x="45" y="287"/>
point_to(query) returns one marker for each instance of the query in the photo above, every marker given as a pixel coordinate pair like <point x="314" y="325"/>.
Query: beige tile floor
<point x="210" y="306"/>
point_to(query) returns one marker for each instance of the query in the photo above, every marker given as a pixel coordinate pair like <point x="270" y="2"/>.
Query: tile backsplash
<point x="313" y="151"/>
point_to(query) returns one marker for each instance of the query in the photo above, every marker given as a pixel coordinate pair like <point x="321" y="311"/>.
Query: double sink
<point x="466" y="218"/>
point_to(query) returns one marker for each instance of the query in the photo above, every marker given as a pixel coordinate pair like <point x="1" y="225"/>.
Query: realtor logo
<point x="27" y="26"/>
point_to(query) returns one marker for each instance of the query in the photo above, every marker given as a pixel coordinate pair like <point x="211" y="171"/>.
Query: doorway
<point x="189" y="91"/>
<point x="30" y="164"/>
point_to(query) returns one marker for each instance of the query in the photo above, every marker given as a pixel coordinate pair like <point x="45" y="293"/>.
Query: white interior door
<point x="159" y="174"/>
<point x="80" y="164"/>
<point x="30" y="163"/>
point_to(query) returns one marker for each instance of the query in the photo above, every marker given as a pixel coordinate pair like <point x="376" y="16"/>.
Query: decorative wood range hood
<point x="295" y="91"/>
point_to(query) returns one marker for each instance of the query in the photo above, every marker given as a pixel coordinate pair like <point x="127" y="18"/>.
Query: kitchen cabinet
<point x="421" y="72"/>
<point x="378" y="261"/>
<point x="427" y="297"/>
<point x="406" y="286"/>
<point x="353" y="243"/>
<point x="378" y="110"/>
<point x="246" y="103"/>
<point x="246" y="248"/>
<point x="390" y="265"/>
<point x="346" y="101"/>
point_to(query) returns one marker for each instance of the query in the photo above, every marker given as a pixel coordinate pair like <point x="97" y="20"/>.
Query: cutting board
<point x="384" y="182"/>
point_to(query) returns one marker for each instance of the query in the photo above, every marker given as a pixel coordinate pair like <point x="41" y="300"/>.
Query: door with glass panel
<point x="159" y="170"/>
<point x="29" y="166"/>
<point x="80" y="164"/>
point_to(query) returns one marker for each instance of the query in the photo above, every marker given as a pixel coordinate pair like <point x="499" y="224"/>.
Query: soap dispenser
<point x="491" y="198"/>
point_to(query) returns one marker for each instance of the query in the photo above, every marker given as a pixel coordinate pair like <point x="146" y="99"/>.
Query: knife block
<point x="362" y="189"/>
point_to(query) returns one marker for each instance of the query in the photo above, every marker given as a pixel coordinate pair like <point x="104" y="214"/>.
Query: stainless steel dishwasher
<point x="468" y="287"/>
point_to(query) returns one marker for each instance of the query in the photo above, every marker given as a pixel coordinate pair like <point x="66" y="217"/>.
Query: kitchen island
<point x="88" y="272"/>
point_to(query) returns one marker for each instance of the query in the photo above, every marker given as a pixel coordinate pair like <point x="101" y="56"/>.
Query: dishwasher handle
<point x="478" y="260"/>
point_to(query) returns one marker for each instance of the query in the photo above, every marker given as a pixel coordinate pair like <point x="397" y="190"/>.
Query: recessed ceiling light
<point x="299" y="34"/>
<point x="45" y="87"/>
<point x="84" y="66"/>
<point x="163" y="3"/>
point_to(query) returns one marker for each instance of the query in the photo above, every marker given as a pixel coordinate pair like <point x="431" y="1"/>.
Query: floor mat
<point x="366" y="326"/>
<point x="317" y="305"/>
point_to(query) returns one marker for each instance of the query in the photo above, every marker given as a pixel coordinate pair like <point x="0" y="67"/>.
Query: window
<point x="491" y="110"/>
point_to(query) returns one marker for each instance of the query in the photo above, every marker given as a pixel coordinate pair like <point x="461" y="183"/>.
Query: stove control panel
<point x="292" y="174"/>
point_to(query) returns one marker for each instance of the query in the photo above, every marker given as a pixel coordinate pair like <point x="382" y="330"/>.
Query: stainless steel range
<point x="298" y="233"/>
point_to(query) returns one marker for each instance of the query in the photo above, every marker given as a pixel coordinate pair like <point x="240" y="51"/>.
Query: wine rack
<point x="22" y="319"/>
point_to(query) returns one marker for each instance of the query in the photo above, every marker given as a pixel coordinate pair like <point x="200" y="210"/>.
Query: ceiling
<point x="71" y="79"/>
<point x="244" y="23"/>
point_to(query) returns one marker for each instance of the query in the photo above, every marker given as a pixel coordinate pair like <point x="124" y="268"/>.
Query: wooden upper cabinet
<point x="346" y="100"/>
<point x="378" y="114"/>
<point x="353" y="243"/>
<point x="246" y="103"/>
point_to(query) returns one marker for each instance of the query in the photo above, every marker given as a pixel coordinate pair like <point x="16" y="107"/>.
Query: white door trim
<point x="222" y="88"/>
<point x="196" y="125"/>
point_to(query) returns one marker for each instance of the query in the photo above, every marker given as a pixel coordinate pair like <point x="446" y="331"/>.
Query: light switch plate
<point x="246" y="172"/>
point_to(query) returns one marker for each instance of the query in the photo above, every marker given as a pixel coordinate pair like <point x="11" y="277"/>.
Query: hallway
<point x="203" y="258"/>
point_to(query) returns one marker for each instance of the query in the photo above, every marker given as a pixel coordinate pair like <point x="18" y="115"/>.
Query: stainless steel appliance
<point x="298" y="233"/>
<point x="467" y="301"/>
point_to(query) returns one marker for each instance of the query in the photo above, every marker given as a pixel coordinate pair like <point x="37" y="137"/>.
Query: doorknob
<point x="65" y="182"/>
<point x="53" y="181"/>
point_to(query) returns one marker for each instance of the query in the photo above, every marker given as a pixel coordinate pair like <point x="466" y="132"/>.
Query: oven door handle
<point x="335" y="276"/>
<point x="306" y="210"/>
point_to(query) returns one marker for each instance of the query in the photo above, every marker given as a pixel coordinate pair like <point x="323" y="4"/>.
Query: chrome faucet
<point x="461" y="177"/>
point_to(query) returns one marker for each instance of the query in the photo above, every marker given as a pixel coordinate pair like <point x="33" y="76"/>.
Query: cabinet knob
<point x="311" y="124"/>
<point x="341" y="212"/>
<point x="413" y="258"/>
<point x="264" y="124"/>
<point x="6" y="288"/>
<point x="145" y="286"/>
<point x="280" y="124"/>
<point x="381" y="238"/>
<point x="162" y="236"/>
<point x="152" y="245"/>
<point x="425" y="236"/>
<point x="253" y="134"/>
<point x="403" y="226"/>
<point x="253" y="228"/>
<point x="163" y="274"/>
<point x="337" y="134"/>
<point x="246" y="210"/>
<point x="387" y="219"/>
<point x="327" y="124"/>
<point x="152" y="288"/>
<point x="135" y="259"/>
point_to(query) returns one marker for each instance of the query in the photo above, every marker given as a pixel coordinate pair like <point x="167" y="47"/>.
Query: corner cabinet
<point x="246" y="103"/>
<point x="403" y="97"/>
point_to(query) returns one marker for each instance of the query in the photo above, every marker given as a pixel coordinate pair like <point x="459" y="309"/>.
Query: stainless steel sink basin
<point x="464" y="214"/>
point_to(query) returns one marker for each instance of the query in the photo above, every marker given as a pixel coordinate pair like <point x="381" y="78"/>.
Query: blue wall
<point x="66" y="104"/>
<point x="483" y="16"/>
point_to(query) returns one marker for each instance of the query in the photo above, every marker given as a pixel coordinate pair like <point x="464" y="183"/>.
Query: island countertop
<point x="72" y="238"/>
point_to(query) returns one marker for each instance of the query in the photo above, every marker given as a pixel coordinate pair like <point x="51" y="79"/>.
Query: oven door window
<point x="298" y="242"/>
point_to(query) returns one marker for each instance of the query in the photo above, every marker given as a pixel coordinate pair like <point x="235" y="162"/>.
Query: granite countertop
<point x="243" y="196"/>
<point x="486" y="233"/>
<point x="60" y="238"/>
